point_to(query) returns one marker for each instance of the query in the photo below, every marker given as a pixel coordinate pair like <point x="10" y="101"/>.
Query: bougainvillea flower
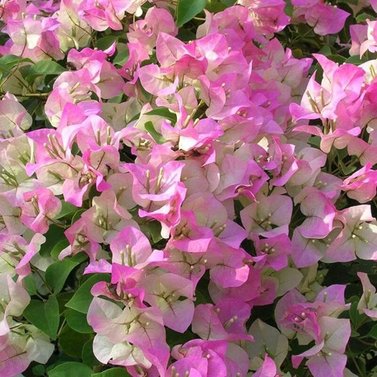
<point x="14" y="300"/>
<point x="320" y="214"/>
<point x="140" y="327"/>
<point x="200" y="170"/>
<point x="368" y="300"/>
<point x="268" y="368"/>
<point x="362" y="184"/>
<point x="318" y="14"/>
<point x="266" y="337"/>
<point x="358" y="236"/>
<point x="39" y="209"/>
<point x="327" y="358"/>
<point x="173" y="295"/>
<point x="268" y="216"/>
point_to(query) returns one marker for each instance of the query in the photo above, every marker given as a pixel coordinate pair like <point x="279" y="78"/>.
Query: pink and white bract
<point x="188" y="188"/>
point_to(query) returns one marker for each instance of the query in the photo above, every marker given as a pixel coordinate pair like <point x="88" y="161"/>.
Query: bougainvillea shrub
<point x="188" y="188"/>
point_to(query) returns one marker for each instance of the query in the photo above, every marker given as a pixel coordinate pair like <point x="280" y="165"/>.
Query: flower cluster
<point x="178" y="192"/>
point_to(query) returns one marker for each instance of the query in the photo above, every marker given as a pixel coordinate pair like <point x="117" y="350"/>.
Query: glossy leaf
<point x="82" y="298"/>
<point x="188" y="9"/>
<point x="44" y="315"/>
<point x="70" y="369"/>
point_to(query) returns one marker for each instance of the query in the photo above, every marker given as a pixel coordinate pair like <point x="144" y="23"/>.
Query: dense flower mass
<point x="188" y="188"/>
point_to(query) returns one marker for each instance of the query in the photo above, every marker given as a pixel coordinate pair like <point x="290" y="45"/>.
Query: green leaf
<point x="356" y="60"/>
<point x="77" y="215"/>
<point x="70" y="369"/>
<point x="347" y="170"/>
<point x="53" y="235"/>
<point x="356" y="318"/>
<point x="45" y="67"/>
<point x="59" y="246"/>
<point x="315" y="141"/>
<point x="121" y="55"/>
<point x="105" y="42"/>
<point x="39" y="370"/>
<point x="67" y="209"/>
<point x="337" y="58"/>
<point x="58" y="272"/>
<point x="353" y="2"/>
<point x="362" y="17"/>
<point x="30" y="285"/>
<point x="174" y="338"/>
<point x="288" y="8"/>
<point x="72" y="343"/>
<point x="82" y="298"/>
<point x="112" y="372"/>
<point x="326" y="50"/>
<point x="7" y="62"/>
<point x="153" y="230"/>
<point x="156" y="136"/>
<point x="215" y="6"/>
<point x="44" y="315"/>
<point x="186" y="35"/>
<point x="77" y="321"/>
<point x="10" y="60"/>
<point x="188" y="9"/>
<point x="373" y="332"/>
<point x="87" y="354"/>
<point x="219" y="5"/>
<point x="164" y="113"/>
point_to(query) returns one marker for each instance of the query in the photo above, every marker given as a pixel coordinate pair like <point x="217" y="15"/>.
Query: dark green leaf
<point x="7" y="62"/>
<point x="156" y="136"/>
<point x="121" y="55"/>
<point x="67" y="209"/>
<point x="347" y="170"/>
<point x="30" y="285"/>
<point x="87" y="354"/>
<point x="70" y="369"/>
<point x="215" y="6"/>
<point x="174" y="338"/>
<point x="10" y="60"/>
<point x="57" y="249"/>
<point x="44" y="315"/>
<point x="46" y="67"/>
<point x="112" y="372"/>
<point x="58" y="272"/>
<point x="82" y="298"/>
<point x="186" y="35"/>
<point x="188" y="9"/>
<point x="41" y="68"/>
<point x="373" y="332"/>
<point x="53" y="235"/>
<point x="353" y="2"/>
<point x="39" y="370"/>
<point x="153" y="230"/>
<point x="105" y="42"/>
<point x="72" y="342"/>
<point x="325" y="50"/>
<point x="355" y="316"/>
<point x="164" y="113"/>
<point x="337" y="58"/>
<point x="77" y="215"/>
<point x="315" y="141"/>
<point x="77" y="321"/>
<point x="63" y="298"/>
<point x="288" y="8"/>
<point x="356" y="60"/>
<point x="361" y="18"/>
